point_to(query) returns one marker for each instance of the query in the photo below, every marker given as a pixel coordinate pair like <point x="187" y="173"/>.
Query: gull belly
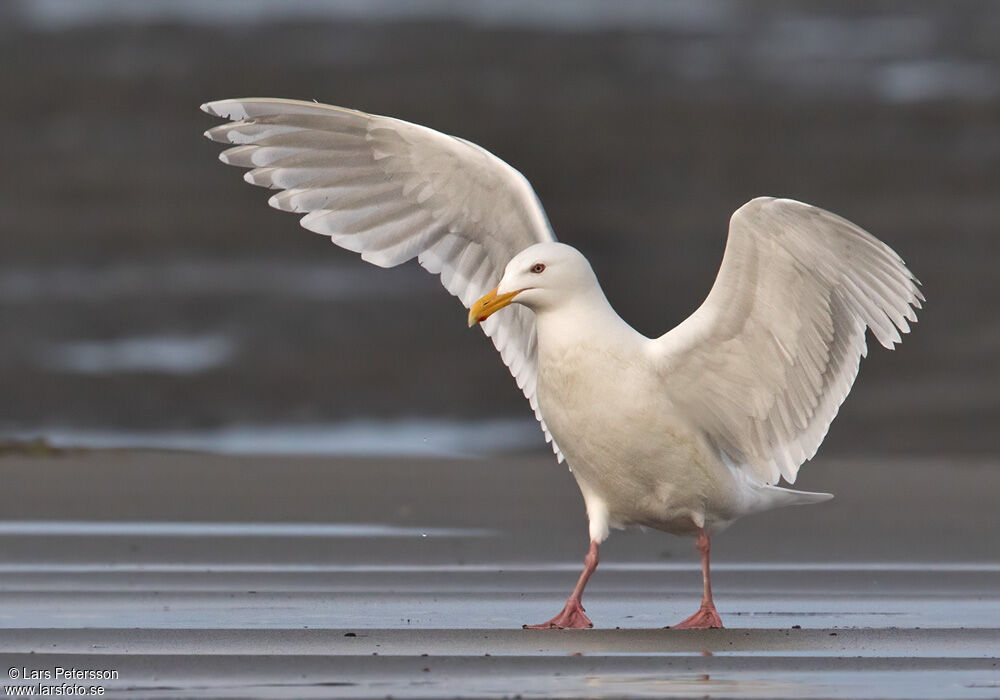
<point x="635" y="458"/>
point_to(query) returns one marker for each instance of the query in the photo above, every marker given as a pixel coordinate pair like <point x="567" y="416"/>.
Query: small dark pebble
<point x="350" y="634"/>
<point x="833" y="634"/>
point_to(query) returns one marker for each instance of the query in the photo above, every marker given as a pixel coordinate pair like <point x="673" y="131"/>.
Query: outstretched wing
<point x="764" y="364"/>
<point x="392" y="191"/>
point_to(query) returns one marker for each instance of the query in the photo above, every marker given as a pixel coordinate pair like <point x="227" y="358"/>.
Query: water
<point x="161" y="354"/>
<point x="789" y="48"/>
<point x="557" y="14"/>
<point x="149" y="297"/>
<point x="415" y="437"/>
<point x="197" y="278"/>
<point x="118" y="528"/>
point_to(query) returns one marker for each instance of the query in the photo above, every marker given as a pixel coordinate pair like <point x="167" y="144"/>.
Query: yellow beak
<point x="489" y="304"/>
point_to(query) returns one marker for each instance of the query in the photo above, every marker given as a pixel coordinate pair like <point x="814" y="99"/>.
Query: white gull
<point x="683" y="433"/>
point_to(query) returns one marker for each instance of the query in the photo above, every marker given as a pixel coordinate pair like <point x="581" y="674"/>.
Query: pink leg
<point x="707" y="616"/>
<point x="571" y="616"/>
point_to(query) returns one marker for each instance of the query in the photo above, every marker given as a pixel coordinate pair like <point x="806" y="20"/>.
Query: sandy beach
<point x="204" y="576"/>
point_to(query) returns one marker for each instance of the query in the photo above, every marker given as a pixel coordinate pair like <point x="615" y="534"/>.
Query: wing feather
<point x="764" y="364"/>
<point x="393" y="191"/>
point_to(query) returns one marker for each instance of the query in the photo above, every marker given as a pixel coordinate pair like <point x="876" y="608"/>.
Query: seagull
<point x="683" y="433"/>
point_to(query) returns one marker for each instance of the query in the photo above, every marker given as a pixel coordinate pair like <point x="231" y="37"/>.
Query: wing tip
<point x="755" y="205"/>
<point x="230" y="108"/>
<point x="215" y="107"/>
<point x="377" y="258"/>
<point x="276" y="202"/>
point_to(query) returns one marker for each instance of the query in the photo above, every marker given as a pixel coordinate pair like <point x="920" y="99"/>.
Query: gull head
<point x="541" y="277"/>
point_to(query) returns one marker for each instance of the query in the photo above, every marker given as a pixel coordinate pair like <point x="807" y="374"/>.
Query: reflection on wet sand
<point x="299" y="578"/>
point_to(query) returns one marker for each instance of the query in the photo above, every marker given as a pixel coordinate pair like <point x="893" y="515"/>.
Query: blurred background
<point x="148" y="296"/>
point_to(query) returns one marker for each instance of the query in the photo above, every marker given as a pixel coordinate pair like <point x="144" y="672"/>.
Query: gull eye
<point x="538" y="268"/>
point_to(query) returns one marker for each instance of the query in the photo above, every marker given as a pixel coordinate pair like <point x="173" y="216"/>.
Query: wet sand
<point x="204" y="576"/>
